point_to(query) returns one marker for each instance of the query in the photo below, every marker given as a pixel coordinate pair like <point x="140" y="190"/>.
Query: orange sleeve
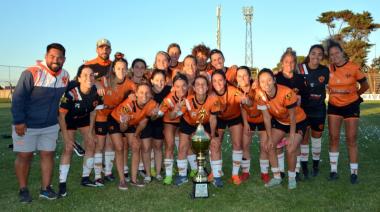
<point x="215" y="105"/>
<point x="290" y="100"/>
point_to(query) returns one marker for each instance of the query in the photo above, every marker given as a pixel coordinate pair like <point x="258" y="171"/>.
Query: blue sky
<point x="141" y="28"/>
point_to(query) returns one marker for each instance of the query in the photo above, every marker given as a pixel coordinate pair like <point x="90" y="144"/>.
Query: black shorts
<point x="316" y="123"/>
<point x="349" y="111"/>
<point x="113" y="126"/>
<point x="145" y="133"/>
<point x="189" y="129"/>
<point x="222" y="124"/>
<point x="300" y="127"/>
<point x="154" y="129"/>
<point x="101" y="128"/>
<point x="259" y="126"/>
<point x="75" y="123"/>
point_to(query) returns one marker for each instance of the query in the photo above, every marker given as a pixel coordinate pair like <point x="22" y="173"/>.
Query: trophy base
<point x="200" y="190"/>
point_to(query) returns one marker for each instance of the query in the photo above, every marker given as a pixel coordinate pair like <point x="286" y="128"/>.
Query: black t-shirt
<point x="159" y="97"/>
<point x="297" y="83"/>
<point x="99" y="70"/>
<point x="316" y="81"/>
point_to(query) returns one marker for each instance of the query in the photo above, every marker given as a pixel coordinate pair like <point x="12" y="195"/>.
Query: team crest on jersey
<point x="321" y="79"/>
<point x="288" y="96"/>
<point x="125" y="109"/>
<point x="202" y="114"/>
<point x="63" y="99"/>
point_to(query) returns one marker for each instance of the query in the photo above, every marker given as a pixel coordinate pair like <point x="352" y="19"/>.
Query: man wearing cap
<point x="101" y="64"/>
<point x="35" y="123"/>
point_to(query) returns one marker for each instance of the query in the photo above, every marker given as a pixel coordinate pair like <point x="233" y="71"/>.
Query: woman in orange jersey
<point x="252" y="120"/>
<point x="130" y="117"/>
<point x="190" y="70"/>
<point x="230" y="99"/>
<point x="116" y="88"/>
<point x="162" y="62"/>
<point x="170" y="109"/>
<point x="174" y="51"/>
<point x="217" y="63"/>
<point x="199" y="108"/>
<point x="287" y="118"/>
<point x="202" y="53"/>
<point x="344" y="105"/>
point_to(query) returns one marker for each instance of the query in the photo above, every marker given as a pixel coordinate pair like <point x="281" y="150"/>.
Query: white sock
<point x="316" y="144"/>
<point x="88" y="165"/>
<point x="281" y="162"/>
<point x="182" y="167"/>
<point x="237" y="156"/>
<point x="298" y="164"/>
<point x="245" y="166"/>
<point x="126" y="169"/>
<point x="168" y="163"/>
<point x="304" y="152"/>
<point x="334" y="161"/>
<point x="192" y="161"/>
<point x="98" y="165"/>
<point x="216" y="166"/>
<point x="141" y="166"/>
<point x="291" y="175"/>
<point x="176" y="141"/>
<point x="354" y="168"/>
<point x="63" y="172"/>
<point x="276" y="173"/>
<point x="109" y="157"/>
<point x="264" y="165"/>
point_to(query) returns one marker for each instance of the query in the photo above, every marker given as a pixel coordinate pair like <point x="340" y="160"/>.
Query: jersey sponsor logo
<point x="321" y="79"/>
<point x="289" y="96"/>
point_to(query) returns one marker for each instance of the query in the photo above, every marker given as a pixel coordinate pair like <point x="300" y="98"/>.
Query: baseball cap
<point x="102" y="42"/>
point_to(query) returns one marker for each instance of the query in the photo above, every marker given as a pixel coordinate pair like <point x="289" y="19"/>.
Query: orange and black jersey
<point x="114" y="96"/>
<point x="76" y="104"/>
<point x="99" y="66"/>
<point x="254" y="114"/>
<point x="316" y="81"/>
<point x="279" y="105"/>
<point x="230" y="74"/>
<point x="296" y="83"/>
<point x="229" y="103"/>
<point x="342" y="85"/>
<point x="194" y="111"/>
<point x="136" y="113"/>
<point x="168" y="105"/>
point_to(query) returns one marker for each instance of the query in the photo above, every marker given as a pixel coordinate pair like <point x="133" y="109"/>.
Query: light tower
<point x="248" y="14"/>
<point x="218" y="12"/>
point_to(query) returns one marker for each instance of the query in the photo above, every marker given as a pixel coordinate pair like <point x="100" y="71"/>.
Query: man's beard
<point x="58" y="67"/>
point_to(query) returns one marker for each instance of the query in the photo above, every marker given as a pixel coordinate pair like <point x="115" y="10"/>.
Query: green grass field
<point x="314" y="195"/>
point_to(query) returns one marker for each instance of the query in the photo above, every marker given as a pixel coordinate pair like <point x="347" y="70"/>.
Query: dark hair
<point x="56" y="46"/>
<point x="265" y="70"/>
<point x="172" y="45"/>
<point x="192" y="57"/>
<point x="201" y="48"/>
<point x="158" y="71"/>
<point x="180" y="76"/>
<point x="200" y="77"/>
<point x="118" y="55"/>
<point x="80" y="69"/>
<point x="289" y="51"/>
<point x="111" y="74"/>
<point x="220" y="72"/>
<point x="318" y="46"/>
<point x="216" y="51"/>
<point x="331" y="44"/>
<point x="144" y="84"/>
<point x="138" y="60"/>
<point x="248" y="70"/>
<point x="119" y="60"/>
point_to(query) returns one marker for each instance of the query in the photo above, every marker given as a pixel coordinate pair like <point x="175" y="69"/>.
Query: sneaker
<point x="137" y="184"/>
<point x="127" y="178"/>
<point x="99" y="182"/>
<point x="315" y="170"/>
<point x="210" y="177"/>
<point x="180" y="180"/>
<point x="217" y="182"/>
<point x="244" y="176"/>
<point x="48" y="193"/>
<point x="273" y="183"/>
<point x="87" y="182"/>
<point x="282" y="175"/>
<point x="292" y="184"/>
<point x="62" y="190"/>
<point x="298" y="177"/>
<point x="159" y="177"/>
<point x="265" y="178"/>
<point x="168" y="180"/>
<point x="109" y="178"/>
<point x="122" y="186"/>
<point x="333" y="176"/>
<point x="24" y="196"/>
<point x="193" y="173"/>
<point x="235" y="179"/>
<point x="305" y="170"/>
<point x="147" y="179"/>
<point x="78" y="149"/>
<point x="142" y="173"/>
<point x="153" y="172"/>
<point x="354" y="179"/>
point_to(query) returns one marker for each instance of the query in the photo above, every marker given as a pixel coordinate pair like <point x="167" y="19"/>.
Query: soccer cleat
<point x="244" y="176"/>
<point x="180" y="180"/>
<point x="78" y="149"/>
<point x="217" y="182"/>
<point x="109" y="178"/>
<point x="137" y="184"/>
<point x="298" y="177"/>
<point x="265" y="177"/>
<point x="282" y="175"/>
<point x="315" y="170"/>
<point x="62" y="190"/>
<point x="99" y="182"/>
<point x="168" y="180"/>
<point x="333" y="176"/>
<point x="305" y="170"/>
<point x="153" y="172"/>
<point x="147" y="179"/>
<point x="127" y="178"/>
<point x="159" y="177"/>
<point x="192" y="173"/>
<point x="273" y="183"/>
<point x="48" y="193"/>
<point x="210" y="177"/>
<point x="235" y="179"/>
<point x="122" y="186"/>
<point x="24" y="196"/>
<point x="354" y="179"/>
<point x="87" y="182"/>
<point x="292" y="184"/>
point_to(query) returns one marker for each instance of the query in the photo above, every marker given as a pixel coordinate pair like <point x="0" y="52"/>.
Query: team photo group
<point x="133" y="124"/>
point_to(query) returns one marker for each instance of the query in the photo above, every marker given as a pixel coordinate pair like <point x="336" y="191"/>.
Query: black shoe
<point x="109" y="178"/>
<point x="24" y="196"/>
<point x="354" y="179"/>
<point x="48" y="193"/>
<point x="78" y="149"/>
<point x="298" y="177"/>
<point x="315" y="171"/>
<point x="62" y="190"/>
<point x="87" y="182"/>
<point x="333" y="176"/>
<point x="305" y="170"/>
<point x="282" y="175"/>
<point x="142" y="173"/>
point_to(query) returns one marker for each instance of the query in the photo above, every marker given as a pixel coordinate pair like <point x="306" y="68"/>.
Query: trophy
<point x="200" y="143"/>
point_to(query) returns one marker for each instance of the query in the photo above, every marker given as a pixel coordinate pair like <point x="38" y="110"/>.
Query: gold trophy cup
<point x="200" y="143"/>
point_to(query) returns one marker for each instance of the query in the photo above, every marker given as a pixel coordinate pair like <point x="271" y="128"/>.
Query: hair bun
<point x="289" y="49"/>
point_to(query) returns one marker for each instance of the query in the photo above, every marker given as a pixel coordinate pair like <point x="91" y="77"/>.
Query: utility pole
<point x="218" y="14"/>
<point x="248" y="15"/>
